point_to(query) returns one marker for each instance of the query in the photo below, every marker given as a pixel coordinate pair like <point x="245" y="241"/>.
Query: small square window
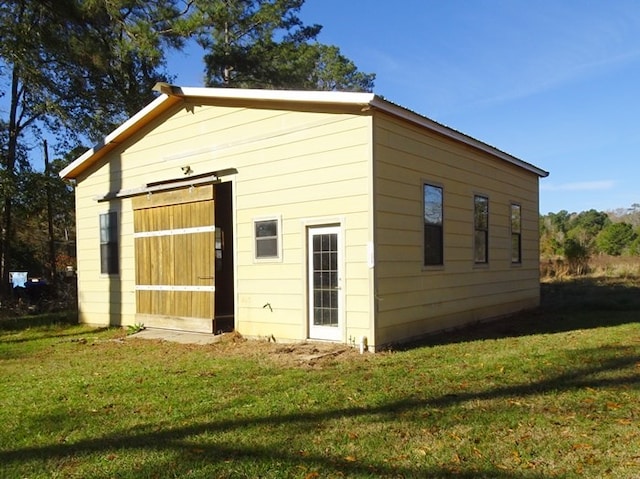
<point x="267" y="239"/>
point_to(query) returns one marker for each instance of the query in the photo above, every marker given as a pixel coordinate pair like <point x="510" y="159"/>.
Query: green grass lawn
<point x="551" y="393"/>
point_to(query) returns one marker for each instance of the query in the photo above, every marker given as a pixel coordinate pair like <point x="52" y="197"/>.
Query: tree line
<point x="72" y="70"/>
<point x="577" y="236"/>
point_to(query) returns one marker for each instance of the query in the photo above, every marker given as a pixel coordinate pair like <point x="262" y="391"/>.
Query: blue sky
<point x="555" y="83"/>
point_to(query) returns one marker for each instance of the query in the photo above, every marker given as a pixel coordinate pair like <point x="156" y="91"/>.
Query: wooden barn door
<point x="174" y="235"/>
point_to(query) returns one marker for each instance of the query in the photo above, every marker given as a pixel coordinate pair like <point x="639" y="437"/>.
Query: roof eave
<point x="384" y="105"/>
<point x="117" y="136"/>
<point x="318" y="97"/>
<point x="172" y="95"/>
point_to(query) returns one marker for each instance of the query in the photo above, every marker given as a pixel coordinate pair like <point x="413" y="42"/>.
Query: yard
<point x="551" y="393"/>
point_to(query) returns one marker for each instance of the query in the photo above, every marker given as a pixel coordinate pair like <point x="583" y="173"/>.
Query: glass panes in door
<point x="324" y="283"/>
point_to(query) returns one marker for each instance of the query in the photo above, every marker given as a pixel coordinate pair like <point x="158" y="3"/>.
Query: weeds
<point x="135" y="328"/>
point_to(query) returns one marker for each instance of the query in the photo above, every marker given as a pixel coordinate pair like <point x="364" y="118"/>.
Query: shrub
<point x="577" y="256"/>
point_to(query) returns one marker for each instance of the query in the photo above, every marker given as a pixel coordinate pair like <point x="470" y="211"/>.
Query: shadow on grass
<point x="569" y="305"/>
<point x="54" y="331"/>
<point x="596" y="368"/>
<point x="25" y="322"/>
<point x="52" y="325"/>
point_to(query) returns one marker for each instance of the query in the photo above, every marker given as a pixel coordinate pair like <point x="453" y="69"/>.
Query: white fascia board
<point x="326" y="97"/>
<point x="338" y="97"/>
<point x="115" y="134"/>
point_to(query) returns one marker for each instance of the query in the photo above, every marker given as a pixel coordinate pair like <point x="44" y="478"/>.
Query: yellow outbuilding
<point x="301" y="215"/>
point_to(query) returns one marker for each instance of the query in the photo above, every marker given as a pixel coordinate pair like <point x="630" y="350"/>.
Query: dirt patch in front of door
<point x="307" y="354"/>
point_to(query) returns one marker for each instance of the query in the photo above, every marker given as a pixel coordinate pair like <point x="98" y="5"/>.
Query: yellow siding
<point x="303" y="167"/>
<point x="307" y="168"/>
<point x="412" y="300"/>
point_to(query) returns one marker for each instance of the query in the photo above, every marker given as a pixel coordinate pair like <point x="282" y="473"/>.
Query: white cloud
<point x="580" y="186"/>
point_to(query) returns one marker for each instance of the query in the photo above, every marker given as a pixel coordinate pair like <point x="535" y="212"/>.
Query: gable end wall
<point x="303" y="167"/>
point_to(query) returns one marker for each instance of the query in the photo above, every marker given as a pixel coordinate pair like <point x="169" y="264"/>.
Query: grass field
<point x="550" y="393"/>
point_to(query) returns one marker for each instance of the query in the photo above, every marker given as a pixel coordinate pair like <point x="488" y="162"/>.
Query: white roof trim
<point x="115" y="133"/>
<point x="177" y="93"/>
<point x="348" y="98"/>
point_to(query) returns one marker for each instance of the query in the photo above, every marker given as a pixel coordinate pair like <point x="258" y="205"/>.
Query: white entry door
<point x="325" y="281"/>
